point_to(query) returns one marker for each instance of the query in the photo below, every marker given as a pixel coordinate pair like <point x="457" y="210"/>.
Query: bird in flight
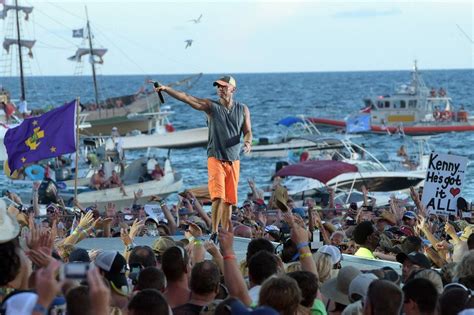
<point x="196" y="21"/>
<point x="188" y="42"/>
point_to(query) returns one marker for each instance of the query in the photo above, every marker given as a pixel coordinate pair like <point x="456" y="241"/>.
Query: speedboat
<point x="134" y="179"/>
<point x="289" y="140"/>
<point x="412" y="109"/>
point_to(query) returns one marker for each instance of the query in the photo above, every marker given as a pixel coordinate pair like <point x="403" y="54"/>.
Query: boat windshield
<point x="367" y="166"/>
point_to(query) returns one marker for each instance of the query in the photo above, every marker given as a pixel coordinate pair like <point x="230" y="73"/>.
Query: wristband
<point x="197" y="242"/>
<point x="227" y="257"/>
<point x="191" y="239"/>
<point x="305" y="255"/>
<point x="302" y="245"/>
<point x="129" y="247"/>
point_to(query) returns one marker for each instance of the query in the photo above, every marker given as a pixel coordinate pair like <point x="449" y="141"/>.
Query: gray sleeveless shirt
<point x="225" y="129"/>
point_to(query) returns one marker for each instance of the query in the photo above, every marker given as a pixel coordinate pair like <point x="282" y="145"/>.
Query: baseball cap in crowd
<point x="359" y="286"/>
<point x="225" y="80"/>
<point x="409" y="215"/>
<point x="337" y="289"/>
<point x="79" y="255"/>
<point x="332" y="251"/>
<point x="9" y="228"/>
<point x="390" y="274"/>
<point x="238" y="308"/>
<point x="299" y="211"/>
<point x="19" y="302"/>
<point x="162" y="244"/>
<point x="114" y="266"/>
<point x="273" y="230"/>
<point x="415" y="258"/>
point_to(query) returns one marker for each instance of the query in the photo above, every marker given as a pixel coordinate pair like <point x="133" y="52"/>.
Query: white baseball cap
<point x="332" y="251"/>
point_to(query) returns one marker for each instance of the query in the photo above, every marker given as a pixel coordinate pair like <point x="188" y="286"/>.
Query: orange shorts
<point x="223" y="179"/>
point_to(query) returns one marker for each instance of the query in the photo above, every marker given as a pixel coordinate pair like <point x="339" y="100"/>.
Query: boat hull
<point x="413" y="130"/>
<point x="189" y="138"/>
<point x="162" y="188"/>
<point x="379" y="181"/>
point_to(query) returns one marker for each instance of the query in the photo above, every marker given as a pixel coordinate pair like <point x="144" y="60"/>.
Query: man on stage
<point x="227" y="120"/>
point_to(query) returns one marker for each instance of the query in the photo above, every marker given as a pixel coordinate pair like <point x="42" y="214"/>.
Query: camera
<point x="74" y="271"/>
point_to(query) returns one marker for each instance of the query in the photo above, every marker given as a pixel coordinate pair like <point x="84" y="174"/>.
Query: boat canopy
<point x="289" y="121"/>
<point x="322" y="170"/>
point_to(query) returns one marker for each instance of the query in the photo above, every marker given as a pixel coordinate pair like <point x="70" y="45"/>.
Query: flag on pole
<point x="358" y="123"/>
<point x="76" y="33"/>
<point x="37" y="138"/>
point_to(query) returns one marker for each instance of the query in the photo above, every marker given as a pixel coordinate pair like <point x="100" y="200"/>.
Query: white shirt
<point x="23" y="107"/>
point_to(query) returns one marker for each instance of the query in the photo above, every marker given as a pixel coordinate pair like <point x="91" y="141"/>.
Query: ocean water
<point x="270" y="97"/>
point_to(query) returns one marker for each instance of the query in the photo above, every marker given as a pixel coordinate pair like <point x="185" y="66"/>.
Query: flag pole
<point x="76" y="162"/>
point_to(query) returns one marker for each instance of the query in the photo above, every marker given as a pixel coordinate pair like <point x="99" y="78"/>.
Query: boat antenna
<point x="22" y="77"/>
<point x="91" y="53"/>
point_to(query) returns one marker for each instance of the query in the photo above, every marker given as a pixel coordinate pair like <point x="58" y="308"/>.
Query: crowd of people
<point x="285" y="270"/>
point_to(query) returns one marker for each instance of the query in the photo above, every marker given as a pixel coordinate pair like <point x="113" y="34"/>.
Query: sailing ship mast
<point x="7" y="42"/>
<point x="20" y="57"/>
<point x="92" y="52"/>
<point x="96" y="93"/>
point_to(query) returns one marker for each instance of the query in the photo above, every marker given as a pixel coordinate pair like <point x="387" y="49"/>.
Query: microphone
<point x="156" y="84"/>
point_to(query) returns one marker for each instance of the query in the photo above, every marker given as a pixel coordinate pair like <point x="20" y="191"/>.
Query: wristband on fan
<point x="302" y="245"/>
<point x="227" y="257"/>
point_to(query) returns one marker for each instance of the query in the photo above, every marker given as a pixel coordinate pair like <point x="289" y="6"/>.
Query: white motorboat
<point x="133" y="181"/>
<point x="292" y="139"/>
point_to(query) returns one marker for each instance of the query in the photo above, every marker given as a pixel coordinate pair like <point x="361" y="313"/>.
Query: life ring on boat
<point x="169" y="128"/>
<point x="7" y="171"/>
<point x="35" y="172"/>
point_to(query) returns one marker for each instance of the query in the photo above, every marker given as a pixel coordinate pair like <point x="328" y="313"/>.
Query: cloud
<point x="366" y="13"/>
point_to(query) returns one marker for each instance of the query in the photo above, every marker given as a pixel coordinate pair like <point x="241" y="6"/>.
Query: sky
<point x="148" y="37"/>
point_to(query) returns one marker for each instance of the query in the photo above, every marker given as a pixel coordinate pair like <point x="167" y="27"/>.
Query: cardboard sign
<point x="154" y="211"/>
<point x="443" y="183"/>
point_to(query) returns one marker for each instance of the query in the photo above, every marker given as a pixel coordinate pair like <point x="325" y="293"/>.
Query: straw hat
<point x="387" y="216"/>
<point x="9" y="228"/>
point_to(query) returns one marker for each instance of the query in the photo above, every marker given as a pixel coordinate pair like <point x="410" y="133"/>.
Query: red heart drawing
<point x="455" y="191"/>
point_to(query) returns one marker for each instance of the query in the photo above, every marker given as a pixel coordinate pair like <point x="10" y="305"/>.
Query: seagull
<point x="188" y="42"/>
<point x="196" y="21"/>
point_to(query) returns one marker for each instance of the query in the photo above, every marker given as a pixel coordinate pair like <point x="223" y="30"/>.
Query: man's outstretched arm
<point x="201" y="104"/>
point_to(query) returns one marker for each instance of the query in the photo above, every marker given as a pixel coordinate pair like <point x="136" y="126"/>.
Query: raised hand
<point x="138" y="194"/>
<point x="99" y="294"/>
<point x="125" y="237"/>
<point x="39" y="258"/>
<point x="110" y="210"/>
<point x="136" y="228"/>
<point x="212" y="248"/>
<point x="226" y="239"/>
<point x="46" y="285"/>
<point x="86" y="220"/>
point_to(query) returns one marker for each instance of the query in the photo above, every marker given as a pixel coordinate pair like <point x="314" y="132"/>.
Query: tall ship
<point x="116" y="111"/>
